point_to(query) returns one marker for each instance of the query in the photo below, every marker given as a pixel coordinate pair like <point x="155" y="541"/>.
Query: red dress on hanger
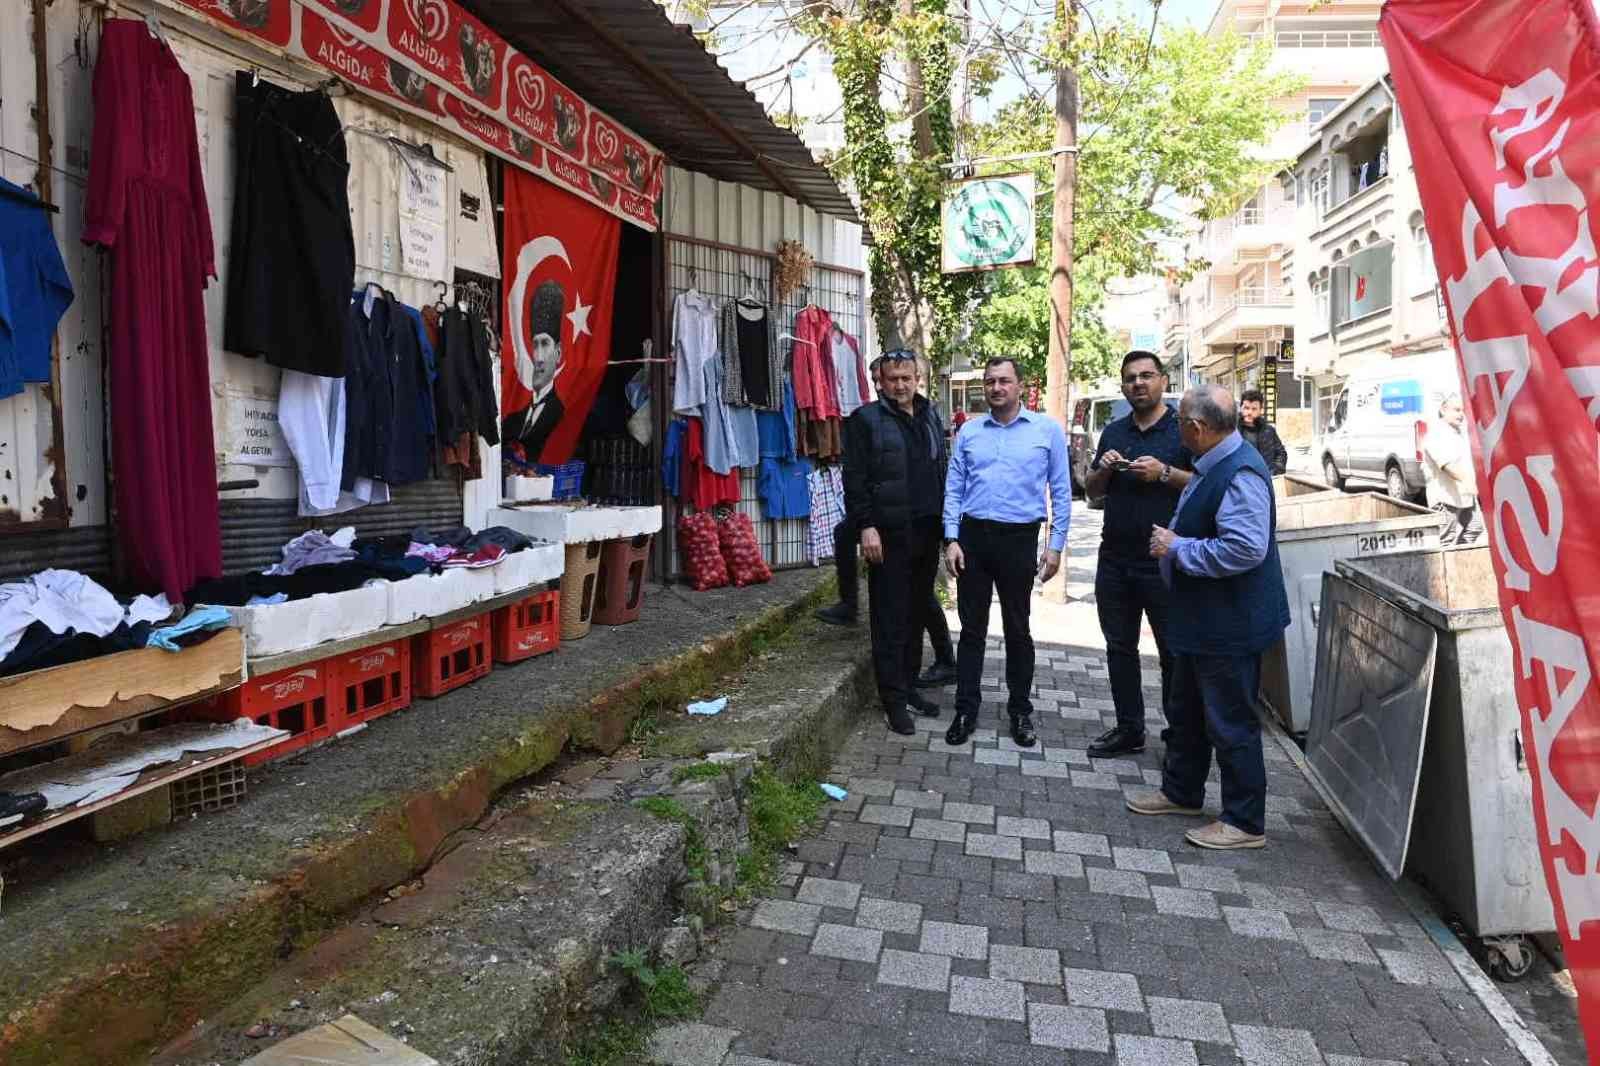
<point x="147" y="206"/>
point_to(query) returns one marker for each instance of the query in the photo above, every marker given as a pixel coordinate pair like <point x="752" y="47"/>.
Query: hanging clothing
<point x="702" y="487"/>
<point x="827" y="511"/>
<point x="851" y="368"/>
<point x="672" y="457"/>
<point x="784" y="486"/>
<point x="147" y="204"/>
<point x="816" y="384"/>
<point x="776" y="429"/>
<point x="694" y="343"/>
<point x="35" y="290"/>
<point x="819" y="438"/>
<point x="751" y="359"/>
<point x="385" y="435"/>
<point x="292" y="256"/>
<point x="731" y="438"/>
<point x="463" y="394"/>
<point x="311" y="413"/>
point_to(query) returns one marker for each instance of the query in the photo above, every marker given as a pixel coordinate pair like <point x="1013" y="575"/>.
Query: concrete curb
<point x="1481" y="985"/>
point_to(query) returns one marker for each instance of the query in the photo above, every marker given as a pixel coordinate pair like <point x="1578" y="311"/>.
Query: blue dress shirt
<point x="1243" y="522"/>
<point x="999" y="472"/>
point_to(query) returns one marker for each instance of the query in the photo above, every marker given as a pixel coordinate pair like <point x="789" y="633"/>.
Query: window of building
<point x="1367" y="158"/>
<point x="1317" y="285"/>
<point x="1422" y="250"/>
<point x="1319" y="108"/>
<point x="1363" y="283"/>
<point x="1322" y="189"/>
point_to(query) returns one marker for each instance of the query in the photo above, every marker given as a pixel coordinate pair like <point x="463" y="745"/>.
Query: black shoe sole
<point x="935" y="682"/>
<point x="926" y="710"/>
<point x="1112" y="754"/>
<point x="834" y="620"/>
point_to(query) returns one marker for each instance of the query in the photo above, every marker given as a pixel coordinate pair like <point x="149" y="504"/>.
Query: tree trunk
<point x="1058" y="371"/>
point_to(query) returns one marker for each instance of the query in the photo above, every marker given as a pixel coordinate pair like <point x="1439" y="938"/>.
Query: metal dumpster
<point x="1286" y="485"/>
<point x="1472" y="834"/>
<point x="1314" y="530"/>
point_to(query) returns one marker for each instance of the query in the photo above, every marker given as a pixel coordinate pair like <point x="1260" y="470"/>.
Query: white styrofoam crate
<point x="576" y="524"/>
<point x="273" y="629"/>
<point x="530" y="566"/>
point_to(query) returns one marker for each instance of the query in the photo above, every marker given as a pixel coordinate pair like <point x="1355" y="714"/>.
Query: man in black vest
<point x="1220" y="559"/>
<point x="894" y="458"/>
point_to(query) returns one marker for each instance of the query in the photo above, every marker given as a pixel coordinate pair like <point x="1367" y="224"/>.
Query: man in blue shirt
<point x="1140" y="467"/>
<point x="1220" y="558"/>
<point x="994" y="503"/>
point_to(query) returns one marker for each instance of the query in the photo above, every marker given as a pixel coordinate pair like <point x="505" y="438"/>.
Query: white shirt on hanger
<point x="694" y="343"/>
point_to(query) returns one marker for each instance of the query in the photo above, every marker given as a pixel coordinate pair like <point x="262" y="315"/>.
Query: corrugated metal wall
<point x="749" y="224"/>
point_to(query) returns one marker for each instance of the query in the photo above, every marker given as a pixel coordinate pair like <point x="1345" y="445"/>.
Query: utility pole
<point x="1058" y="369"/>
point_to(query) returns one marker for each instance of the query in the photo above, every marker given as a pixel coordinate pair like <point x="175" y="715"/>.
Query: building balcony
<point x="1249" y="314"/>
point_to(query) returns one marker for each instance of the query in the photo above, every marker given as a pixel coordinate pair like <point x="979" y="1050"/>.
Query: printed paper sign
<point x="254" y="436"/>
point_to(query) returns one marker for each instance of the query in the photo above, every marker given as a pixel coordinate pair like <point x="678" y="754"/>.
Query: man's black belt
<point x="999" y="527"/>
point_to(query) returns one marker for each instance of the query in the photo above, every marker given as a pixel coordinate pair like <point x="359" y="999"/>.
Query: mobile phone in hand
<point x="1120" y="464"/>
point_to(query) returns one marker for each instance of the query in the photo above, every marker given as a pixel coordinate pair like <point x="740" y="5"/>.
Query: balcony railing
<point x="1250" y="296"/>
<point x="1319" y="38"/>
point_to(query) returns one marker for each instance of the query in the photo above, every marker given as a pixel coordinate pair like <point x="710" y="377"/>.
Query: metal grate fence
<point x="726" y="272"/>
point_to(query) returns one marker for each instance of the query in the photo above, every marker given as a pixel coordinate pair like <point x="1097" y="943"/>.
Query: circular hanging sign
<point x="989" y="223"/>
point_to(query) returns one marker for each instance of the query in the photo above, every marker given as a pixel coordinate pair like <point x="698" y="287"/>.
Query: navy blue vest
<point x="1240" y="615"/>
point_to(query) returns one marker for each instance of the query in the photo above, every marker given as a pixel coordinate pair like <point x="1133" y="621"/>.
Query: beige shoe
<point x="1155" y="801"/>
<point x="1220" y="836"/>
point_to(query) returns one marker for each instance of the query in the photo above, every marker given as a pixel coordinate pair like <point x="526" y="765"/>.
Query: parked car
<point x="1376" y="432"/>
<point x="1090" y="415"/>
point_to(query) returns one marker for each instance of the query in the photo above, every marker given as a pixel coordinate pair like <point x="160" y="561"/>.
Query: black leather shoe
<point x="961" y="729"/>
<point x="925" y="707"/>
<point x="937" y="675"/>
<point x="14" y="803"/>
<point x="1118" y="741"/>
<point x="838" y="614"/>
<point x="899" y="721"/>
<point x="1022" y="730"/>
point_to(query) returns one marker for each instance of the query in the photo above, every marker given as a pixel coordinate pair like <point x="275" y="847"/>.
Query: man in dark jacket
<point x="1256" y="430"/>
<point x="894" y="458"/>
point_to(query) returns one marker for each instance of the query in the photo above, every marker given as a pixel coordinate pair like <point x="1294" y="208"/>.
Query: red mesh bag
<point x="700" y="553"/>
<point x="739" y="550"/>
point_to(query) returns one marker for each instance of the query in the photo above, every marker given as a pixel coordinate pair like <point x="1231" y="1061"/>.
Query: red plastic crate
<point x="367" y="684"/>
<point x="528" y="627"/>
<point x="450" y="656"/>
<point x="294" y="699"/>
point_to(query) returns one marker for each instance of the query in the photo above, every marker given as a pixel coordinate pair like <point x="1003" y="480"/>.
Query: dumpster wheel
<point x="1510" y="957"/>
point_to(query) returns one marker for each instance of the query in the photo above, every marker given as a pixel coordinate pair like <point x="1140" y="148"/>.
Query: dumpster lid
<point x="1369" y="715"/>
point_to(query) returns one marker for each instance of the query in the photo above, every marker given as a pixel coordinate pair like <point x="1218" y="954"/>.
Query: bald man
<point x="1220" y="558"/>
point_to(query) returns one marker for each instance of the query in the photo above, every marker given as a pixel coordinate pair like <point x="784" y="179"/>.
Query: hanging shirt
<point x="732" y="440"/>
<point x="851" y="372"/>
<point x="704" y="488"/>
<point x="816" y="385"/>
<point x="35" y="290"/>
<point x="694" y="343"/>
<point x="827" y="511"/>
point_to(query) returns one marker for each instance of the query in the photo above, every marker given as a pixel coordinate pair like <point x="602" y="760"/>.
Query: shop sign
<point x="433" y="59"/>
<point x="1501" y="103"/>
<point x="254" y="436"/>
<point x="989" y="223"/>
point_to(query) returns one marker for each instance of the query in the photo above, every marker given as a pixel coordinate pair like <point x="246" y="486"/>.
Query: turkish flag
<point x="560" y="270"/>
<point x="1501" y="101"/>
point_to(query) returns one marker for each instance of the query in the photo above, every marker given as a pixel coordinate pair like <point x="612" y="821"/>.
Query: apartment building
<point x="1234" y="321"/>
<point x="1364" y="280"/>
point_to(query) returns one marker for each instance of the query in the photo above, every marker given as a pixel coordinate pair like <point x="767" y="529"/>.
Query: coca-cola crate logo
<point x="463" y="633"/>
<point x="283" y="688"/>
<point x="378" y="660"/>
<point x="533" y="640"/>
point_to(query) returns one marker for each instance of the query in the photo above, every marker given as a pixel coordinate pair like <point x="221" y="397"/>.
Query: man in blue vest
<point x="1220" y="559"/>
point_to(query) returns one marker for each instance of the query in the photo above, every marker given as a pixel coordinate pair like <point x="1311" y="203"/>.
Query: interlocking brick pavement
<point x="986" y="904"/>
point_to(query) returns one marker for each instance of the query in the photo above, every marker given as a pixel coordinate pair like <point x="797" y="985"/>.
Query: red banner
<point x="432" y="58"/>
<point x="560" y="270"/>
<point x="1501" y="103"/>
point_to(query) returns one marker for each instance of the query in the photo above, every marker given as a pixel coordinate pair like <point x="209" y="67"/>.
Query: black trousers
<point x="901" y="587"/>
<point x="1125" y="590"/>
<point x="845" y="541"/>
<point x="999" y="557"/>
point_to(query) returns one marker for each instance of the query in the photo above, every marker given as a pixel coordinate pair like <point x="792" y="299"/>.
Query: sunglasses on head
<point x="900" y="355"/>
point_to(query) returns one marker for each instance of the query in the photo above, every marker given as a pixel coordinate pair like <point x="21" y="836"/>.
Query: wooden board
<point x="43" y="706"/>
<point x="346" y="1042"/>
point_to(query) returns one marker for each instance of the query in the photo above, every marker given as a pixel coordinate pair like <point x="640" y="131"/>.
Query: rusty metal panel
<point x="1369" y="715"/>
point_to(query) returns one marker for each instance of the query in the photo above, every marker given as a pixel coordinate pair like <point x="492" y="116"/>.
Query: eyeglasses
<point x="1144" y="375"/>
<point x="899" y="355"/>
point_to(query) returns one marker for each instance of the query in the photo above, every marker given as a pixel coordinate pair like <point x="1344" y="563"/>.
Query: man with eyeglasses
<point x="942" y="671"/>
<point x="1140" y="467"/>
<point x="994" y="504"/>
<point x="894" y="458"/>
<point x="1220" y="558"/>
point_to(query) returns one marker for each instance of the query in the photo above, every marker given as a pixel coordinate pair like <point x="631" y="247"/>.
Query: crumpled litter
<point x="709" y="707"/>
<point x="834" y="792"/>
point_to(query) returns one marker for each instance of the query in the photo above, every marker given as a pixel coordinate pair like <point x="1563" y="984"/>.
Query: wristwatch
<point x="1166" y="472"/>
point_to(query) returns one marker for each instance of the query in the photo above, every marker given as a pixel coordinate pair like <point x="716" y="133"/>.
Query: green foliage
<point x="1160" y="126"/>
<point x="664" y="992"/>
<point x="694" y="846"/>
<point x="698" y="771"/>
<point x="778" y="813"/>
<point x="619" y="1042"/>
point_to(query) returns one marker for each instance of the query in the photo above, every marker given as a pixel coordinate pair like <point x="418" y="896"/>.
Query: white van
<point x="1376" y="432"/>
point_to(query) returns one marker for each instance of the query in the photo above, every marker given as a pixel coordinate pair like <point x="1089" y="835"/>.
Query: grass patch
<point x="779" y="812"/>
<point x="694" y="846"/>
<point x="699" y="771"/>
<point x="619" y="1042"/>
<point x="664" y="992"/>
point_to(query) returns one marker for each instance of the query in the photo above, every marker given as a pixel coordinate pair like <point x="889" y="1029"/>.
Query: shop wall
<point x="30" y="423"/>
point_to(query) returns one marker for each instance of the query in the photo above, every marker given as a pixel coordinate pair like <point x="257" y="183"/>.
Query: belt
<point x="1000" y="527"/>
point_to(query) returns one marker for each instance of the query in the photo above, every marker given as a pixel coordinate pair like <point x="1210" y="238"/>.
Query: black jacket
<point x="464" y="392"/>
<point x="1266" y="441"/>
<point x="893" y="465"/>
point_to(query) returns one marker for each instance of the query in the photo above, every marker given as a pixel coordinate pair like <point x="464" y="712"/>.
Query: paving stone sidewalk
<point x="987" y="904"/>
